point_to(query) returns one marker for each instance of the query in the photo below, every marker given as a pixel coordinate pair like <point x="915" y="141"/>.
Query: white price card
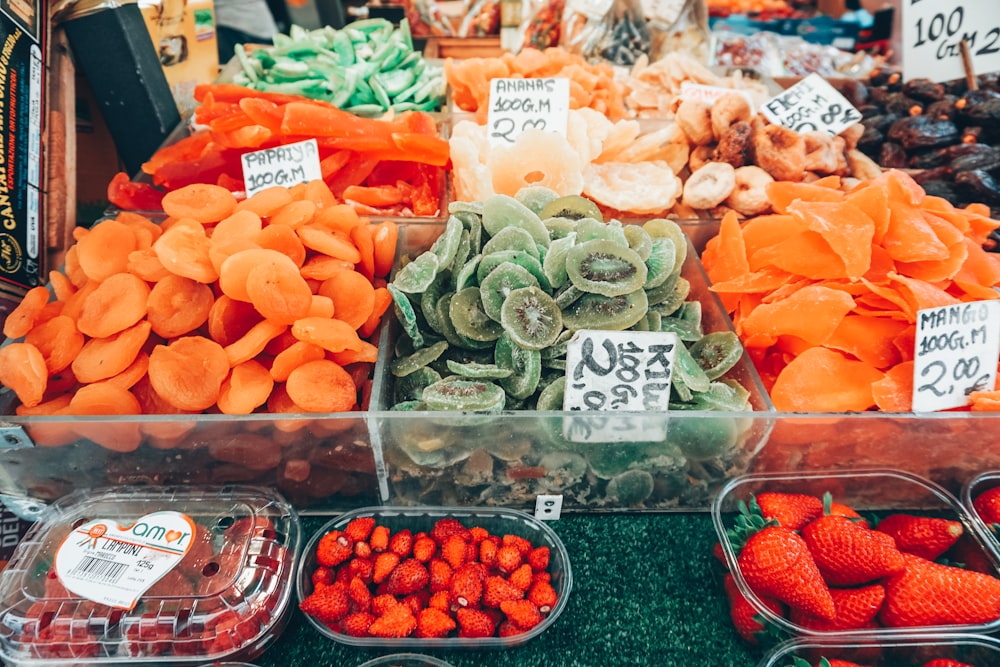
<point x="709" y="94"/>
<point x="811" y="104"/>
<point x="282" y="165"/>
<point x="517" y="105"/>
<point x="955" y="353"/>
<point x="618" y="372"/>
<point x="933" y="31"/>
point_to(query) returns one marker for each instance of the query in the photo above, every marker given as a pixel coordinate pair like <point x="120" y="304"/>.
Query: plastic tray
<point x="902" y="651"/>
<point x="865" y="490"/>
<point x="498" y="522"/>
<point x="226" y="599"/>
<point x="406" y="660"/>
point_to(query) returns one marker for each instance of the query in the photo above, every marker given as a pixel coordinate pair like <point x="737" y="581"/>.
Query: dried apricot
<point x="101" y="358"/>
<point x="188" y="373"/>
<point x="22" y="369"/>
<point x="104" y="251"/>
<point x="248" y="387"/>
<point x="204" y="202"/>
<point x="278" y="291"/>
<point x="58" y="340"/>
<point x="178" y="305"/>
<point x="183" y="249"/>
<point x="117" y="303"/>
<point x="322" y="386"/>
<point x="22" y="318"/>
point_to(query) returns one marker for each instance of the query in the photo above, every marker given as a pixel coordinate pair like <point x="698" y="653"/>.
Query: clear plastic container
<point x="902" y="651"/>
<point x="497" y="521"/>
<point x="972" y="490"/>
<point x="406" y="660"/>
<point x="865" y="490"/>
<point x="82" y="586"/>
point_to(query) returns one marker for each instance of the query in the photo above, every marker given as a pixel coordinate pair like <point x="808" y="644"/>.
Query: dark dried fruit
<point x="941" y="173"/>
<point x="892" y="156"/>
<point x="923" y="132"/>
<point x="943" y="109"/>
<point x="987" y="159"/>
<point x="735" y="146"/>
<point x="924" y="90"/>
<point x="980" y="185"/>
<point x="901" y="105"/>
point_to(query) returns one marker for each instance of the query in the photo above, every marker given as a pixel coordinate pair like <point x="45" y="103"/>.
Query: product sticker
<point x="114" y="565"/>
<point x="933" y="31"/>
<point x="548" y="507"/>
<point x="811" y="104"/>
<point x="615" y="372"/>
<point x="709" y="94"/>
<point x="517" y="105"/>
<point x="956" y="352"/>
<point x="282" y="165"/>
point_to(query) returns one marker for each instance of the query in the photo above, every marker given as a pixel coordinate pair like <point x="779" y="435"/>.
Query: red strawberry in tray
<point x="927" y="593"/>
<point x="856" y="609"/>
<point x="791" y="510"/>
<point x="927" y="537"/>
<point x="748" y="621"/>
<point x="849" y="554"/>
<point x="987" y="506"/>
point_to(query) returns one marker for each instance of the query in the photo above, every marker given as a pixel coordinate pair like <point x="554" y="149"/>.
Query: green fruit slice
<point x="554" y="262"/>
<point x="448" y="327"/>
<point x="501" y="211"/>
<point x="536" y="197"/>
<point x="429" y="299"/>
<point x="631" y="487"/>
<point x="478" y="371"/>
<point x="639" y="241"/>
<point x="551" y="398"/>
<point x="469" y="318"/>
<point x="660" y="262"/>
<point x="531" y="318"/>
<point x="403" y="366"/>
<point x="410" y="387"/>
<point x="688" y="372"/>
<point x="668" y="229"/>
<point x="489" y="262"/>
<point x="559" y="227"/>
<point x="498" y="285"/>
<point x="614" y="313"/>
<point x="512" y="238"/>
<point x="459" y="394"/>
<point x="525" y="364"/>
<point x="418" y="274"/>
<point x="717" y="352"/>
<point x="446" y="245"/>
<point x="667" y="301"/>
<point x="573" y="207"/>
<point x="406" y="315"/>
<point x="588" y="229"/>
<point x="604" y="267"/>
<point x="466" y="276"/>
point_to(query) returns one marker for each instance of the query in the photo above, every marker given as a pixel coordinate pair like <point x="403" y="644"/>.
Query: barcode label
<point x="99" y="569"/>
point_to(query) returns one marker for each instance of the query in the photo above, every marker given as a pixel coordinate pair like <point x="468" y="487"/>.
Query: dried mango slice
<point x="824" y="380"/>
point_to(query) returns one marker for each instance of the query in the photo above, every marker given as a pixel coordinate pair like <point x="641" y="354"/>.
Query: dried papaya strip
<point x="101" y="358"/>
<point x="253" y="342"/>
<point x="117" y="303"/>
<point x="247" y="388"/>
<point x="58" y="340"/>
<point x="23" y="370"/>
<point x="385" y="235"/>
<point x="20" y="320"/>
<point x="363" y="240"/>
<point x="322" y="386"/>
<point x="177" y="306"/>
<point x="188" y="373"/>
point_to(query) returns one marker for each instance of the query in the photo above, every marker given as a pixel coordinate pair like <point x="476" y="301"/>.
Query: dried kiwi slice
<point x="466" y="276"/>
<point x="687" y="331"/>
<point x="478" y="371"/>
<point x="554" y="262"/>
<point x="614" y="313"/>
<point x="639" y="240"/>
<point x="521" y="258"/>
<point x="559" y="227"/>
<point x="688" y="372"/>
<point x="415" y="276"/>
<point x="666" y="302"/>
<point x="497" y="286"/>
<point x="472" y="220"/>
<point x="717" y="352"/>
<point x="406" y="315"/>
<point x="703" y="438"/>
<point x="551" y="398"/>
<point x="410" y="387"/>
<point x="501" y="211"/>
<point x="448" y="327"/>
<point x="631" y="487"/>
<point x="525" y="364"/>
<point x="573" y="207"/>
<point x="558" y="349"/>
<point x="604" y="267"/>
<point x="446" y="244"/>
<point x="460" y="394"/>
<point x="668" y="229"/>
<point x="536" y="197"/>
<point x="567" y="295"/>
<point x="660" y="262"/>
<point x="512" y="238"/>
<point x="531" y="318"/>
<point x="588" y="229"/>
<point x="458" y="207"/>
<point x="403" y="366"/>
<point x="469" y="318"/>
<point x="429" y="299"/>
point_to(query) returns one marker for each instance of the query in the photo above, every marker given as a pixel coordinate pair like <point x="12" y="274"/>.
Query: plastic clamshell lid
<point x="497" y="521"/>
<point x="406" y="660"/>
<point x="902" y="650"/>
<point x="226" y="599"/>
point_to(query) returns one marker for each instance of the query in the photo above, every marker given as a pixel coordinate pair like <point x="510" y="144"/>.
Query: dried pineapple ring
<point x="536" y="158"/>
<point x="471" y="178"/>
<point x="586" y="131"/>
<point x="710" y="186"/>
<point x="699" y="157"/>
<point x="646" y="187"/>
<point x="728" y="109"/>
<point x="749" y="197"/>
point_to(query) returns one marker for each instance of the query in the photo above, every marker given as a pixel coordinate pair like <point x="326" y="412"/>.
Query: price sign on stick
<point x="517" y="105"/>
<point x="281" y="165"/>
<point x="811" y="104"/>
<point x="955" y="353"/>
<point x="933" y="31"/>
<point x="618" y="371"/>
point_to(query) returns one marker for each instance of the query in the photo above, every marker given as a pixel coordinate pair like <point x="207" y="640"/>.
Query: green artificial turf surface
<point x="646" y="591"/>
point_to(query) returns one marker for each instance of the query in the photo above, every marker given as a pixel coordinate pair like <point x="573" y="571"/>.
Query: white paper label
<point x="933" y="31"/>
<point x="517" y="105"/>
<point x="955" y="353"/>
<point x="548" y="508"/>
<point x="618" y="371"/>
<point x="114" y="565"/>
<point x="282" y="165"/>
<point x="709" y="94"/>
<point x="811" y="104"/>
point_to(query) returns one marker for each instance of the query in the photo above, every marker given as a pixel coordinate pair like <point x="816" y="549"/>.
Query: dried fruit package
<point x="684" y="31"/>
<point x="174" y="575"/>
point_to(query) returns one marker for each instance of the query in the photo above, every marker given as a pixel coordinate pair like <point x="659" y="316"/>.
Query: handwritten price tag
<point x="281" y="165"/>
<point x="811" y="104"/>
<point x="934" y="29"/>
<point x="955" y="353"/>
<point x="618" y="371"/>
<point x="517" y="105"/>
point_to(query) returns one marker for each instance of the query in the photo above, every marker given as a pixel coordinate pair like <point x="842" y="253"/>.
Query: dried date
<point x="918" y="132"/>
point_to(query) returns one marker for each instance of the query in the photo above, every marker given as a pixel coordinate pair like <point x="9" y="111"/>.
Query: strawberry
<point x="360" y="596"/>
<point x="385" y="563"/>
<point x="987" y="506"/>
<point x="543" y="595"/>
<point x="453" y="550"/>
<point x="776" y="563"/>
<point x="824" y="662"/>
<point x="440" y="600"/>
<point x="924" y="536"/>
<point x="432" y="622"/>
<point x="488" y="551"/>
<point x="417" y="601"/>
<point x="379" y="539"/>
<point x="522" y="577"/>
<point x="333" y="548"/>
<point x="522" y="545"/>
<point x="328" y="604"/>
<point x="509" y="558"/>
<point x="363" y="568"/>
<point x="522" y="613"/>
<point x="424" y="548"/>
<point x="397" y="622"/>
<point x="362" y="550"/>
<point x="719" y="553"/>
<point x="849" y="554"/>
<point x="401" y="543"/>
<point x="927" y="593"/>
<point x="538" y="558"/>
<point x="356" y="624"/>
<point x="791" y="510"/>
<point x="467" y="585"/>
<point x="407" y="577"/>
<point x="360" y="528"/>
<point x="856" y="609"/>
<point x="477" y="534"/>
<point x="440" y="575"/>
<point x="751" y="625"/>
<point x="839" y="509"/>
<point x="496" y="589"/>
<point x="474" y="623"/>
<point x="946" y="662"/>
<point x="968" y="553"/>
<point x="445" y="528"/>
<point x="382" y="603"/>
<point x="508" y="629"/>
